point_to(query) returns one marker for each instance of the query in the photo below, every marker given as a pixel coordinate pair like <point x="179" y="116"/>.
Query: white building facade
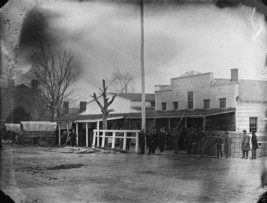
<point x="246" y="101"/>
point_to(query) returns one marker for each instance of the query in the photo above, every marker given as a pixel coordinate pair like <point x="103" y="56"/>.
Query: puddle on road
<point x="65" y="166"/>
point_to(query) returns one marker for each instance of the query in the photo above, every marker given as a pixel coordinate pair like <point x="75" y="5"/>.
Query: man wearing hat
<point x="245" y="146"/>
<point x="255" y="146"/>
<point x="227" y="145"/>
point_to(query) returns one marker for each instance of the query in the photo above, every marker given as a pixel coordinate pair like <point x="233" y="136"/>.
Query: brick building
<point x="28" y="97"/>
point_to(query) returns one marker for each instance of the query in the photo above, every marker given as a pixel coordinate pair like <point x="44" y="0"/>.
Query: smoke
<point x="178" y="37"/>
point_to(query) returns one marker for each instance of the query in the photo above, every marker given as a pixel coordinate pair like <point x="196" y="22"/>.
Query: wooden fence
<point x="104" y="138"/>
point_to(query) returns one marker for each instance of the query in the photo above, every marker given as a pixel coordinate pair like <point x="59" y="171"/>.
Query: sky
<point x="105" y="37"/>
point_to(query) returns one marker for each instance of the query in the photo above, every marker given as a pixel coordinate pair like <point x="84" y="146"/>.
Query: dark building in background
<point x="27" y="97"/>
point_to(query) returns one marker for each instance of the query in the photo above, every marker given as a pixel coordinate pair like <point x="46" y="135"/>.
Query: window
<point x="163" y="106"/>
<point x="190" y="100"/>
<point x="153" y="104"/>
<point x="253" y="121"/>
<point x="175" y="105"/>
<point x="206" y="103"/>
<point x="222" y="103"/>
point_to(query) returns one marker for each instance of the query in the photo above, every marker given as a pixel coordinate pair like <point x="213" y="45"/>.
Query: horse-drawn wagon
<point x="9" y="133"/>
<point x="41" y="132"/>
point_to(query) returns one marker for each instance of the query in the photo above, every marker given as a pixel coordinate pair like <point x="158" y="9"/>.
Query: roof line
<point x="218" y="113"/>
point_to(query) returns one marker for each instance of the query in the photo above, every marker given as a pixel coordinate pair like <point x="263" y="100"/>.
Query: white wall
<point x="230" y="92"/>
<point x="246" y="110"/>
<point x="199" y="84"/>
<point x="138" y="104"/>
<point x="163" y="96"/>
<point x="119" y="105"/>
<point x="202" y="89"/>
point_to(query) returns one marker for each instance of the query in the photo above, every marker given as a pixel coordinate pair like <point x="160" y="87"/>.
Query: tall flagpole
<point x="143" y="68"/>
<point x="143" y="71"/>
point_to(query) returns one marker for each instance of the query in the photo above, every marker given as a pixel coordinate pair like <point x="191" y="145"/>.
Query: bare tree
<point x="122" y="82"/>
<point x="53" y="68"/>
<point x="106" y="103"/>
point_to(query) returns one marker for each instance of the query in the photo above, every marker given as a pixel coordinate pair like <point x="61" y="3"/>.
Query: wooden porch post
<point x="136" y="142"/>
<point x="124" y="141"/>
<point x="86" y="134"/>
<point x="59" y="134"/>
<point x="113" y="140"/>
<point x="103" y="139"/>
<point x="77" y="133"/>
<point x="169" y="123"/>
<point x="94" y="139"/>
<point x="97" y="126"/>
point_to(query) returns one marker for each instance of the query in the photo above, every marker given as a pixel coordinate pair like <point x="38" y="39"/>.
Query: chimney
<point x="234" y="74"/>
<point x="34" y="84"/>
<point x="66" y="108"/>
<point x="82" y="106"/>
<point x="10" y="83"/>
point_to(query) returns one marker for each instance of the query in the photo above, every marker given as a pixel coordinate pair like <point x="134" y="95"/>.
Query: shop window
<point x="222" y="103"/>
<point x="253" y="124"/>
<point x="206" y="103"/>
<point x="190" y="100"/>
<point x="175" y="105"/>
<point x="163" y="106"/>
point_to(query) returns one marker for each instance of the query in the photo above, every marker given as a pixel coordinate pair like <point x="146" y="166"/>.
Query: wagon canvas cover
<point x="38" y="126"/>
<point x="14" y="127"/>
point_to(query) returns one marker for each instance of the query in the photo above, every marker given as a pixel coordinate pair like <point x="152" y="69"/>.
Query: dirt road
<point x="37" y="174"/>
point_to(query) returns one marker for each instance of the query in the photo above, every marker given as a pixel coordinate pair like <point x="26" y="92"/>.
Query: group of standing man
<point x="155" y="139"/>
<point x="245" y="145"/>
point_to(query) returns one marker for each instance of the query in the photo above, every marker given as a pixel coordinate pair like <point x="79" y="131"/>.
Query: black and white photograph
<point x="133" y="101"/>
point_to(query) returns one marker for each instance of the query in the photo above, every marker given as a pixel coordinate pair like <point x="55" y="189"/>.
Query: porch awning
<point x="98" y="119"/>
<point x="150" y="114"/>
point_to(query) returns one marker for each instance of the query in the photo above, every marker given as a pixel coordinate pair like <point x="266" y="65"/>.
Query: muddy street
<point x="38" y="174"/>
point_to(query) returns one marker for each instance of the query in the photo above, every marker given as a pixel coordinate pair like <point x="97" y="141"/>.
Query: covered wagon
<point x="10" y="132"/>
<point x="41" y="132"/>
<point x="13" y="127"/>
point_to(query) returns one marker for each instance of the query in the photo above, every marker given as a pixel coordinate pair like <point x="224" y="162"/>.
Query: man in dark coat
<point x="142" y="138"/>
<point x="162" y="137"/>
<point x="219" y="142"/>
<point x="189" y="141"/>
<point x="148" y="141"/>
<point x="245" y="146"/>
<point x="255" y="145"/>
<point x="153" y="140"/>
<point x="227" y="145"/>
<point x="175" y="135"/>
<point x="73" y="136"/>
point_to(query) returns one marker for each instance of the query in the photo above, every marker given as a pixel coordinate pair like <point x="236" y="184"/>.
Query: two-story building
<point x="215" y="104"/>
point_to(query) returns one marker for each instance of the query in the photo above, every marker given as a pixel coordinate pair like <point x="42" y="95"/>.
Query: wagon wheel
<point x="46" y="141"/>
<point x="27" y="141"/>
